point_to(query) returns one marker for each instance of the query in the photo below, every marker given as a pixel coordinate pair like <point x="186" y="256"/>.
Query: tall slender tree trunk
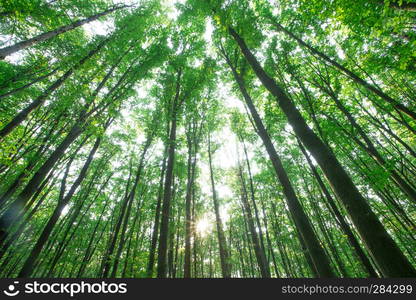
<point x="253" y="201"/>
<point x="28" y="265"/>
<point x="164" y="226"/>
<point x="131" y="200"/>
<point x="20" y="88"/>
<point x="368" y="145"/>
<point x="87" y="253"/>
<point x="269" y="242"/>
<point x="6" y="51"/>
<point x="23" y="114"/>
<point x="156" y="222"/>
<point x="14" y="211"/>
<point x="155" y="231"/>
<point x="319" y="258"/>
<point x="193" y="141"/>
<point x="224" y="254"/>
<point x="282" y="250"/>
<point x="386" y="253"/>
<point x="343" y="224"/>
<point x="108" y="256"/>
<point x="350" y="74"/>
<point x="188" y="219"/>
<point x="258" y="250"/>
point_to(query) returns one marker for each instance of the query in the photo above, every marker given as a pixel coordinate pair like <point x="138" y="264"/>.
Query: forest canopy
<point x="215" y="138"/>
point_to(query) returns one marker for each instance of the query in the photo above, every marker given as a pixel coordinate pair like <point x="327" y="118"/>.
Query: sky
<point x="224" y="158"/>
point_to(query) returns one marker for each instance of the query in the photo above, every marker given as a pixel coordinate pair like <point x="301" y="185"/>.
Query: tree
<point x="207" y="139"/>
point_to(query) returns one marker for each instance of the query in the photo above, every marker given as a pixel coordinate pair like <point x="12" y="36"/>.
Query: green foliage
<point x="161" y="63"/>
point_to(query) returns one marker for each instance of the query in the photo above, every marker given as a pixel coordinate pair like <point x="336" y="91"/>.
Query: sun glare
<point x="203" y="226"/>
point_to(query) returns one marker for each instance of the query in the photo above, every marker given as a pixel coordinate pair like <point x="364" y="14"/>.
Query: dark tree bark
<point x="164" y="225"/>
<point x="156" y="223"/>
<point x="23" y="114"/>
<point x="30" y="261"/>
<point x="14" y="211"/>
<point x="319" y="258"/>
<point x="224" y="254"/>
<point x="258" y="250"/>
<point x="341" y="221"/>
<point x="350" y="74"/>
<point x="6" y="51"/>
<point x="382" y="247"/>
<point x="368" y="145"/>
<point x="131" y="196"/>
<point x="20" y="88"/>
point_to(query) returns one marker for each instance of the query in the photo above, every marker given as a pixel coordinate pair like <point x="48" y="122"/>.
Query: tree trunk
<point x="188" y="225"/>
<point x="14" y="212"/>
<point x="131" y="199"/>
<point x="350" y="74"/>
<point x="108" y="256"/>
<point x="6" y="51"/>
<point x="386" y="253"/>
<point x="224" y="255"/>
<point x="343" y="224"/>
<point x="258" y="250"/>
<point x="319" y="258"/>
<point x="28" y="265"/>
<point x="155" y="230"/>
<point x="23" y="114"/>
<point x="20" y="88"/>
<point x="192" y="140"/>
<point x="164" y="226"/>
